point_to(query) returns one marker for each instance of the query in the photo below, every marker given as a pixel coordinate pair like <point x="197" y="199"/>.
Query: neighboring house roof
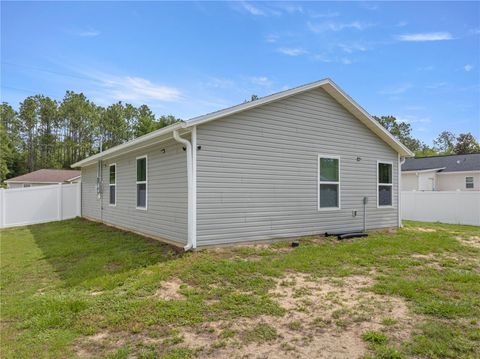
<point x="451" y="163"/>
<point x="46" y="176"/>
<point x="327" y="84"/>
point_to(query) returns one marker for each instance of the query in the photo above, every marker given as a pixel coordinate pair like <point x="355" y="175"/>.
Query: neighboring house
<point x="44" y="177"/>
<point x="442" y="173"/>
<point x="295" y="163"/>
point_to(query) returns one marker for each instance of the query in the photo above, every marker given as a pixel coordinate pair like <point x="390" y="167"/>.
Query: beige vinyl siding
<point x="257" y="171"/>
<point x="166" y="214"/>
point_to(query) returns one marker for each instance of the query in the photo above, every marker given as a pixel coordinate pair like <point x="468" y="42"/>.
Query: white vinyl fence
<point x="455" y="207"/>
<point x="22" y="206"/>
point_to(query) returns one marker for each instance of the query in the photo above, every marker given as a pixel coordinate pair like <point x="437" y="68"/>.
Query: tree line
<point x="45" y="133"/>
<point x="446" y="143"/>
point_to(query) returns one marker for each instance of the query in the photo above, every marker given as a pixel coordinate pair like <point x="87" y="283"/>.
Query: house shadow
<point x="85" y="253"/>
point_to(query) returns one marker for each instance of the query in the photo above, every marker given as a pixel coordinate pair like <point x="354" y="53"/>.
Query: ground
<point x="81" y="289"/>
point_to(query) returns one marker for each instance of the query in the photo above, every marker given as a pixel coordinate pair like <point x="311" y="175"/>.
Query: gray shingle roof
<point x="452" y="163"/>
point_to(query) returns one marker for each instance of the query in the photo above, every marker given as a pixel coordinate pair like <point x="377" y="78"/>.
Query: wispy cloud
<point x="322" y="57"/>
<point x="427" y="36"/>
<point x="396" y="89"/>
<point x="88" y="33"/>
<point x="221" y="83"/>
<point x="401" y="24"/>
<point x="271" y="38"/>
<point x="436" y="85"/>
<point x="414" y="119"/>
<point x="426" y="68"/>
<point x="261" y="81"/>
<point x="468" y="67"/>
<point x="290" y="8"/>
<point x="292" y="51"/>
<point x="252" y="9"/>
<point x="353" y="47"/>
<point x="132" y="88"/>
<point x="337" y="26"/>
<point x="328" y="14"/>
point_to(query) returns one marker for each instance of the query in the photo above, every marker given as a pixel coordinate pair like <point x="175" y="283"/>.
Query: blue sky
<point x="417" y="61"/>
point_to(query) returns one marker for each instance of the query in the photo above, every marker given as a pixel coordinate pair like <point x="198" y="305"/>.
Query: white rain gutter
<point x="401" y="161"/>
<point x="191" y="179"/>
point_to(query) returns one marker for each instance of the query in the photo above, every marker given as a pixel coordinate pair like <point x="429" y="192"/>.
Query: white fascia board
<point x="473" y="172"/>
<point x="424" y="171"/>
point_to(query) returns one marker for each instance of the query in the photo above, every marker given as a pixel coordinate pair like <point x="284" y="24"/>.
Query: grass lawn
<point x="81" y="289"/>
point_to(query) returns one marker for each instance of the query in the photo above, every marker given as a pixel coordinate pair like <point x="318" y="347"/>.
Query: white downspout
<point x="401" y="161"/>
<point x="191" y="200"/>
<point x="194" y="187"/>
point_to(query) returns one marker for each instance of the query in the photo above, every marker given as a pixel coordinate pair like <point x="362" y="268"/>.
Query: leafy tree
<point x="164" y="121"/>
<point x="426" y="151"/>
<point x="145" y="121"/>
<point x="445" y="142"/>
<point x="466" y="143"/>
<point x="5" y="153"/>
<point x="401" y="130"/>
<point x="28" y="115"/>
<point x="11" y="125"/>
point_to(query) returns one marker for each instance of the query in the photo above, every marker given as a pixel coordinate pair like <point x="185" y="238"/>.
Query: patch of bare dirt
<point x="473" y="241"/>
<point x="422" y="229"/>
<point x="325" y="318"/>
<point x="169" y="290"/>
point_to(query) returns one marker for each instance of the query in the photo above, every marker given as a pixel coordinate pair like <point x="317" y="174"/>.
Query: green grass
<point x="66" y="280"/>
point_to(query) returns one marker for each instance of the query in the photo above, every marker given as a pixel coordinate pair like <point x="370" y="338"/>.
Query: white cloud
<point x="468" y="67"/>
<point x="336" y="26"/>
<point x="292" y="51"/>
<point x="290" y="8"/>
<point x="328" y="14"/>
<point x="217" y="82"/>
<point x="88" y="33"/>
<point x="271" y="38"/>
<point x="397" y="89"/>
<point x="133" y="88"/>
<point x="352" y="47"/>
<point x="428" y="36"/>
<point x="402" y="24"/>
<point x="345" y="61"/>
<point x="261" y="81"/>
<point x="252" y="9"/>
<point x="414" y="119"/>
<point x="436" y="85"/>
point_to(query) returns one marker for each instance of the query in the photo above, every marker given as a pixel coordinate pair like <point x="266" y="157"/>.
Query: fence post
<point x="2" y="207"/>
<point x="79" y="199"/>
<point x="60" y="200"/>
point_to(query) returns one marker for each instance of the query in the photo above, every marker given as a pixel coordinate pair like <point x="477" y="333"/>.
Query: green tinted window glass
<point x="329" y="169"/>
<point x="384" y="173"/>
<point x="141" y="169"/>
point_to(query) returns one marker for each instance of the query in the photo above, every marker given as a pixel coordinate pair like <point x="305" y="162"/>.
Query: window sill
<point x="327" y="209"/>
<point x="141" y="208"/>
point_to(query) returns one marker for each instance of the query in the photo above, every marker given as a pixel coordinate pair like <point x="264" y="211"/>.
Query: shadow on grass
<point x="81" y="251"/>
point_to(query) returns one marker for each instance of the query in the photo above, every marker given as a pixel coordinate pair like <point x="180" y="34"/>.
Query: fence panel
<point x="23" y="206"/>
<point x="455" y="207"/>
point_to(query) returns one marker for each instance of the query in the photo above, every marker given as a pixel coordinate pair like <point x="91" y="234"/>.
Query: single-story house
<point x="442" y="173"/>
<point x="44" y="177"/>
<point x="295" y="163"/>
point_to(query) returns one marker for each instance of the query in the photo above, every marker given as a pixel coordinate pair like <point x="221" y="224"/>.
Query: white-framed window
<point x="328" y="182"/>
<point x="25" y="185"/>
<point x="384" y="184"/>
<point x="142" y="177"/>
<point x="469" y="184"/>
<point x="112" y="184"/>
